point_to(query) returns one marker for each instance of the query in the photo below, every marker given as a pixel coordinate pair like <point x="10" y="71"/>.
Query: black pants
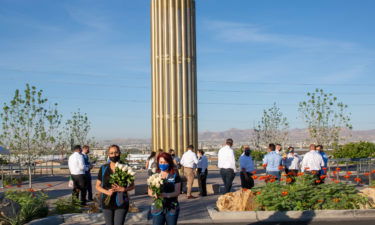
<point x="89" y="186"/>
<point x="247" y="180"/>
<point x="228" y="176"/>
<point x="79" y="186"/>
<point x="115" y="216"/>
<point x="202" y="177"/>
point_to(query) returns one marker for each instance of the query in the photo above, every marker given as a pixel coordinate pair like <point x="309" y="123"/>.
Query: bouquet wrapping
<point x="123" y="177"/>
<point x="155" y="183"/>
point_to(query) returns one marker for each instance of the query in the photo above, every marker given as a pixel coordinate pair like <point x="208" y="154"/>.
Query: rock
<point x="8" y="208"/>
<point x="370" y="194"/>
<point x="242" y="200"/>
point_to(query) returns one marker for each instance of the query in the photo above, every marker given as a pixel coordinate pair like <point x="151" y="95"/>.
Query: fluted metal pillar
<point x="174" y="75"/>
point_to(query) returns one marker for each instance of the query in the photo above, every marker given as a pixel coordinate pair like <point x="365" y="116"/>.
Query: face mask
<point x="114" y="158"/>
<point x="163" y="167"/>
<point x="247" y="152"/>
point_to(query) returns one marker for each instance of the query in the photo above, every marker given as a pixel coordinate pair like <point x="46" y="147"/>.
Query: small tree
<point x="24" y="130"/>
<point x="325" y="116"/>
<point x="273" y="128"/>
<point x="78" y="128"/>
<point x="360" y="149"/>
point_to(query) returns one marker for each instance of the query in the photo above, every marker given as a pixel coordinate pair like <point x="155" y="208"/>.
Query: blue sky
<point x="95" y="55"/>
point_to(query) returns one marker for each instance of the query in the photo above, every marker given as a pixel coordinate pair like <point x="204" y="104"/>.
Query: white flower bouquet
<point x="123" y="177"/>
<point x="155" y="183"/>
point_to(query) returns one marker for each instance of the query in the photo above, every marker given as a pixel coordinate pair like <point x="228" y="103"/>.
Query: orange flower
<point x="264" y="165"/>
<point x="282" y="179"/>
<point x="49" y="185"/>
<point x="19" y="185"/>
<point x="8" y="186"/>
<point x="357" y="179"/>
<point x="254" y="172"/>
<point x="300" y="174"/>
<point x="281" y="167"/>
<point x="366" y="174"/>
<point x="337" y="181"/>
<point x="346" y="176"/>
<point x="324" y="168"/>
<point x="284" y="174"/>
<point x="323" y="177"/>
<point x="349" y="173"/>
<point x="30" y="190"/>
<point x="288" y="180"/>
<point x="336" y="200"/>
<point x="338" y="169"/>
<point x="313" y="172"/>
<point x="373" y="171"/>
<point x="272" y="180"/>
<point x="255" y="177"/>
<point x="319" y="200"/>
<point x="290" y="173"/>
<point x="318" y="181"/>
<point x="262" y="177"/>
<point x="284" y="193"/>
<point x="307" y="168"/>
<point x="258" y="193"/>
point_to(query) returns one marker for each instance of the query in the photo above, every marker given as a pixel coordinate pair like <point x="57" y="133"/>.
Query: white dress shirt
<point x="202" y="163"/>
<point x="76" y="164"/>
<point x="226" y="158"/>
<point x="292" y="161"/>
<point x="189" y="159"/>
<point x="246" y="162"/>
<point x="312" y="160"/>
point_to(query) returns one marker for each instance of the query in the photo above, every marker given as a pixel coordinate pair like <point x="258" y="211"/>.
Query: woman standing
<point x="115" y="212"/>
<point x="168" y="214"/>
<point x="150" y="163"/>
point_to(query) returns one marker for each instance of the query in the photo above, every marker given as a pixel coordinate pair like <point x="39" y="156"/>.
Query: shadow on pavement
<point x="280" y="218"/>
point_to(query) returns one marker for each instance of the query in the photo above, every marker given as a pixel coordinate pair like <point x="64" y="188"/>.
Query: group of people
<point x="193" y="163"/>
<point x="80" y="171"/>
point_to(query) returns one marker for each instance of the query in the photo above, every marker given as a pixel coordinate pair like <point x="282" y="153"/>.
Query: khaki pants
<point x="189" y="174"/>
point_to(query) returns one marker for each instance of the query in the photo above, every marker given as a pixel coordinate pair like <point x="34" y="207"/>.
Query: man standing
<point x="202" y="172"/>
<point x="246" y="168"/>
<point x="88" y="165"/>
<point x="227" y="164"/>
<point x="272" y="162"/>
<point x="175" y="158"/>
<point x="312" y="162"/>
<point x="77" y="170"/>
<point x="189" y="161"/>
<point x="323" y="171"/>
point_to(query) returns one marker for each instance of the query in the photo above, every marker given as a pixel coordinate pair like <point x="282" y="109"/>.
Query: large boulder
<point x="370" y="194"/>
<point x="242" y="200"/>
<point x="8" y="208"/>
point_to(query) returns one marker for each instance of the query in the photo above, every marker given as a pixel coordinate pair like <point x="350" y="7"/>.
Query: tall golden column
<point x="174" y="75"/>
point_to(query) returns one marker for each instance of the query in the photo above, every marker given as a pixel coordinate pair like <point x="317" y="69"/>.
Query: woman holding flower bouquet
<point x="114" y="181"/>
<point x="164" y="187"/>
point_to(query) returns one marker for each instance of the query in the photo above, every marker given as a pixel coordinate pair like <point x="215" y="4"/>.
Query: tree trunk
<point x="30" y="176"/>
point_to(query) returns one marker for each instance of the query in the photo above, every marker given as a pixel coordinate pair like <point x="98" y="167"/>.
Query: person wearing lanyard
<point x="246" y="168"/>
<point x="115" y="212"/>
<point x="170" y="211"/>
<point x="202" y="172"/>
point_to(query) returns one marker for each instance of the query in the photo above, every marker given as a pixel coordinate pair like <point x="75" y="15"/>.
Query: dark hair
<point x="191" y="147"/>
<point x="160" y="150"/>
<point x="272" y="147"/>
<point x="201" y="151"/>
<point x="319" y="146"/>
<point x="77" y="147"/>
<point x="152" y="155"/>
<point x="170" y="151"/>
<point x="291" y="148"/>
<point x="85" y="147"/>
<point x="114" y="146"/>
<point x="167" y="157"/>
<point x="229" y="141"/>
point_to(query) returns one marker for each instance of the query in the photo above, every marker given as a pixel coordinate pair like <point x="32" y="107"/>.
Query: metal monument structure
<point x="174" y="75"/>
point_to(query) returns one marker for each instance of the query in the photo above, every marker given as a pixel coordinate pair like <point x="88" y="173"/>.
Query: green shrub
<point x="14" y="180"/>
<point x="355" y="150"/>
<point x="33" y="205"/>
<point x="304" y="194"/>
<point x="68" y="205"/>
<point x="257" y="155"/>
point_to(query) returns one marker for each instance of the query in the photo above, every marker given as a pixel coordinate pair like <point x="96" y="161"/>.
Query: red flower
<point x="349" y="173"/>
<point x="366" y="174"/>
<point x="262" y="177"/>
<point x="318" y="181"/>
<point x="255" y="177"/>
<point x="324" y="168"/>
<point x="30" y="190"/>
<point x="323" y="177"/>
<point x="300" y="174"/>
<point x="284" y="174"/>
<point x="272" y="180"/>
<point x="357" y="179"/>
<point x="49" y="185"/>
<point x="338" y="169"/>
<point x="337" y="181"/>
<point x="319" y="200"/>
<point x="334" y="172"/>
<point x="264" y="165"/>
<point x="313" y="172"/>
<point x="281" y="167"/>
<point x="288" y="180"/>
<point x="290" y="173"/>
<point x="346" y="176"/>
<point x="284" y="193"/>
<point x="258" y="193"/>
<point x="19" y="185"/>
<point x="373" y="171"/>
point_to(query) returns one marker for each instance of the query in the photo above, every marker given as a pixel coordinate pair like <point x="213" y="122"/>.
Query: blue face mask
<point x="164" y="167"/>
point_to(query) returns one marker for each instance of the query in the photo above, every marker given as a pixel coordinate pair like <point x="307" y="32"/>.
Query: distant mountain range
<point x="295" y="136"/>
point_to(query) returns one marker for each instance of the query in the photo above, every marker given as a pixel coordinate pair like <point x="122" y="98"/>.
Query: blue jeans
<point x="228" y="176"/>
<point x="166" y="217"/>
<point x="274" y="173"/>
